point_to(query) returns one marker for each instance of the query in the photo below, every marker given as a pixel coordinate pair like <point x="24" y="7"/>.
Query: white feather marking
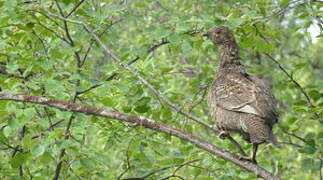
<point x="248" y="109"/>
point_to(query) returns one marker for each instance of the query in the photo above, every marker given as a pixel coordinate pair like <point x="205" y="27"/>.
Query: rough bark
<point x="145" y="122"/>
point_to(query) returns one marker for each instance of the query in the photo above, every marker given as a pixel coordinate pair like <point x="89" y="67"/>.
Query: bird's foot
<point x="223" y="134"/>
<point x="248" y="158"/>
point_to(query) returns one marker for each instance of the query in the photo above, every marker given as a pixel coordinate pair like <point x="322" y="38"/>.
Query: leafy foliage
<point x="41" y="55"/>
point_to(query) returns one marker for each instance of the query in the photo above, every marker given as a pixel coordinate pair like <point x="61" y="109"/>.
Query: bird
<point x="240" y="102"/>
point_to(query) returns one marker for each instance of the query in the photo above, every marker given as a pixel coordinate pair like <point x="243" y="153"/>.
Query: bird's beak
<point x="206" y="34"/>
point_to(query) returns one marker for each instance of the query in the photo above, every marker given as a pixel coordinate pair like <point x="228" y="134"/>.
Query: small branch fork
<point x="144" y="122"/>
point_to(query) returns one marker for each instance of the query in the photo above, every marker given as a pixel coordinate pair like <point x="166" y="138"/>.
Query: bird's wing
<point x="236" y="92"/>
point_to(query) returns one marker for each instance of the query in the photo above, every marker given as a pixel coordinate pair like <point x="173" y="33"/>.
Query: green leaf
<point x="37" y="150"/>
<point x="17" y="160"/>
<point x="88" y="163"/>
<point x="314" y="94"/>
<point x="284" y="2"/>
<point x="107" y="101"/>
<point x="29" y="113"/>
<point x="307" y="164"/>
<point x="67" y="2"/>
<point x="107" y="69"/>
<point x="307" y="149"/>
<point x="140" y="51"/>
<point x="13" y="123"/>
<point x="46" y="158"/>
<point x="12" y="67"/>
<point x="142" y="109"/>
<point x="123" y="88"/>
<point x="174" y="38"/>
<point x="143" y="101"/>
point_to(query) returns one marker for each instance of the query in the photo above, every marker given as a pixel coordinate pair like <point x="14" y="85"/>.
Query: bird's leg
<point x="254" y="152"/>
<point x="223" y="134"/>
<point x="251" y="158"/>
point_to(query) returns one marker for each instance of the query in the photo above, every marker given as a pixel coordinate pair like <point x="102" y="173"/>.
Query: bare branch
<point x="42" y="42"/>
<point x="128" y="158"/>
<point x="46" y="16"/>
<point x="75" y="8"/>
<point x="49" y="29"/>
<point x="93" y="41"/>
<point x="294" y="135"/>
<point x="144" y="122"/>
<point x="173" y="176"/>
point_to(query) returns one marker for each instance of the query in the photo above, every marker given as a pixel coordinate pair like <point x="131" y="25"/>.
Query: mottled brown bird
<point x="239" y="101"/>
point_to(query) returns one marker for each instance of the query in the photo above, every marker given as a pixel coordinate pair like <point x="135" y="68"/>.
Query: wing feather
<point x="249" y="94"/>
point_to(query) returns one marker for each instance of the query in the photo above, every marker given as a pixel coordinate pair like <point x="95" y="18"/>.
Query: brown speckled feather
<point x="246" y="94"/>
<point x="238" y="101"/>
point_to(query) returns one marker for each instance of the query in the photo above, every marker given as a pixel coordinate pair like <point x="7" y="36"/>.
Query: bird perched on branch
<point x="238" y="101"/>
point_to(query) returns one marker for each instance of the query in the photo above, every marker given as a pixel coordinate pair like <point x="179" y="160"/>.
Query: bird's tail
<point x="274" y="141"/>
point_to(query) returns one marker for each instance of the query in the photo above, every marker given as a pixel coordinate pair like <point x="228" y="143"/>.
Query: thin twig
<point x="75" y="8"/>
<point x="292" y="144"/>
<point x="42" y="42"/>
<point x="296" y="84"/>
<point x="321" y="165"/>
<point x="46" y="16"/>
<point x="173" y="176"/>
<point x="49" y="29"/>
<point x="128" y="158"/>
<point x="184" y="164"/>
<point x="294" y="135"/>
<point x="93" y="41"/>
<point x="201" y="100"/>
<point x="169" y="167"/>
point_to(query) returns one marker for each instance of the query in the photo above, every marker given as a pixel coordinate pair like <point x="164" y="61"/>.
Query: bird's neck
<point x="229" y="57"/>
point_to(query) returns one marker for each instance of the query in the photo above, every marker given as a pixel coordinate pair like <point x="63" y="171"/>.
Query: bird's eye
<point x="217" y="32"/>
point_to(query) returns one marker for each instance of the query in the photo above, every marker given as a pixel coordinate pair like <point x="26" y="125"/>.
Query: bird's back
<point x="243" y="103"/>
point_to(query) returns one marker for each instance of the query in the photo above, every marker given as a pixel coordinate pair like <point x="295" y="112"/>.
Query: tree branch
<point x="134" y="73"/>
<point x="144" y="122"/>
<point x="75" y="8"/>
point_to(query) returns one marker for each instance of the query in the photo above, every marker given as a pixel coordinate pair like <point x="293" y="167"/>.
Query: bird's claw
<point x="223" y="134"/>
<point x="248" y="158"/>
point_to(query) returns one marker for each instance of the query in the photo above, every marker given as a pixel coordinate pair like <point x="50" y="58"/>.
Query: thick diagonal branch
<point x="145" y="122"/>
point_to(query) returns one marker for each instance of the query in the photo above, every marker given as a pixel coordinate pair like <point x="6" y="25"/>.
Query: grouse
<point x="239" y="101"/>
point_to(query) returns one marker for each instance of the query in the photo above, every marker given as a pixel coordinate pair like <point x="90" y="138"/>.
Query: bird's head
<point x="220" y="35"/>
